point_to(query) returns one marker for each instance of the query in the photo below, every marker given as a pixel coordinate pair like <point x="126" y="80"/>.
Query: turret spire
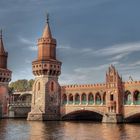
<point x="1" y="34"/>
<point x="1" y="43"/>
<point x="47" y="18"/>
<point x="47" y="30"/>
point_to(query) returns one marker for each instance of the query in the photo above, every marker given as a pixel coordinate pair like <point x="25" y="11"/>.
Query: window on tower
<point x="52" y="86"/>
<point x="38" y="85"/>
<point x="111" y="97"/>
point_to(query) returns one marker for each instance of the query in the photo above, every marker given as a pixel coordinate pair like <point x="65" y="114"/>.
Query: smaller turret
<point x="5" y="74"/>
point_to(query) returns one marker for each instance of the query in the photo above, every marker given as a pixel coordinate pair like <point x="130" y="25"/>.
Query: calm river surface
<point x="25" y="130"/>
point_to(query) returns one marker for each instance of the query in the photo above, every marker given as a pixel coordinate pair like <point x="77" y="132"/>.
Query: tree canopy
<point x="21" y="85"/>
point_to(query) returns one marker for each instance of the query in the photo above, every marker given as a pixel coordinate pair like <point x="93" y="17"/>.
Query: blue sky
<point x="91" y="35"/>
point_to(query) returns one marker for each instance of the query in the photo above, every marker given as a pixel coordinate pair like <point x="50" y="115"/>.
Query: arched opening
<point x="83" y="115"/>
<point x="90" y="99"/>
<point x="83" y="99"/>
<point x="133" y="118"/>
<point x="104" y="98"/>
<point x="137" y="97"/>
<point x="64" y="99"/>
<point x="98" y="99"/>
<point x="70" y="99"/>
<point x="77" y="98"/>
<point x="38" y="86"/>
<point x="127" y="98"/>
<point x="52" y="86"/>
<point x="111" y="97"/>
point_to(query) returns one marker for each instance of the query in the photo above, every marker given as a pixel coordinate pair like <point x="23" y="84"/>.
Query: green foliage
<point x="21" y="85"/>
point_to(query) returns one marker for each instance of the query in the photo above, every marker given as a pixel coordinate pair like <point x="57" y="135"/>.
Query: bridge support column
<point x="112" y="118"/>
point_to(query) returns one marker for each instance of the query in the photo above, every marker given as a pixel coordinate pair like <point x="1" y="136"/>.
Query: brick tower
<point x="5" y="78"/>
<point x="114" y="96"/>
<point x="46" y="89"/>
<point x="5" y="74"/>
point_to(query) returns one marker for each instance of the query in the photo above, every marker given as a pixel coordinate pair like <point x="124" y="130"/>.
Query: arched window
<point x="38" y="85"/>
<point x="90" y="99"/>
<point x="70" y="99"/>
<point x="111" y="97"/>
<point x="98" y="99"/>
<point x="84" y="98"/>
<point x="77" y="98"/>
<point x="64" y="99"/>
<point x="136" y="97"/>
<point x="104" y="98"/>
<point x="52" y="86"/>
<point x="127" y="98"/>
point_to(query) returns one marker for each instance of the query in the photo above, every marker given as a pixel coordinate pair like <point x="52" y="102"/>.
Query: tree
<point x="22" y="85"/>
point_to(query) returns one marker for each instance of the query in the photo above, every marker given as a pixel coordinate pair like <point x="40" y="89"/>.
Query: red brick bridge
<point x="113" y="98"/>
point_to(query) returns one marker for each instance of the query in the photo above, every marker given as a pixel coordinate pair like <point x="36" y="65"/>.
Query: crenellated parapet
<point x="5" y="75"/>
<point x="46" y="67"/>
<point x="131" y="86"/>
<point x="84" y="86"/>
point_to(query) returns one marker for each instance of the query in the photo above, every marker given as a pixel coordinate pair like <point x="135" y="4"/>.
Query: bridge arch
<point x="83" y="115"/>
<point x="132" y="117"/>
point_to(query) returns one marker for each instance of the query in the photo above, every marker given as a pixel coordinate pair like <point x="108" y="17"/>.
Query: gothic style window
<point x="64" y="99"/>
<point x="90" y="98"/>
<point x="38" y="85"/>
<point x="127" y="98"/>
<point x="84" y="99"/>
<point x="111" y="97"/>
<point x="137" y="98"/>
<point x="52" y="86"/>
<point x="104" y="98"/>
<point x="98" y="99"/>
<point x="70" y="99"/>
<point x="77" y="98"/>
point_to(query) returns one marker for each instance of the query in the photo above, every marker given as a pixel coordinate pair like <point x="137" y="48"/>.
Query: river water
<point x="72" y="130"/>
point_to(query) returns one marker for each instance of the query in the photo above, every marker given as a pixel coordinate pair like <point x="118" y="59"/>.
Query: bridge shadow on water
<point x="133" y="119"/>
<point x="83" y="116"/>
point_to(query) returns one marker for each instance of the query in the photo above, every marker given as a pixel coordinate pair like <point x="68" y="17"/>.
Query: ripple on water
<point x="20" y="129"/>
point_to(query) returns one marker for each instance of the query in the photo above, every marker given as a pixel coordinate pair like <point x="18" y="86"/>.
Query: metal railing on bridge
<point x="20" y="104"/>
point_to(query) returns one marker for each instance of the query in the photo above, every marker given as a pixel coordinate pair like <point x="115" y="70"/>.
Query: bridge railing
<point x="28" y="104"/>
<point x="131" y="103"/>
<point x="137" y="102"/>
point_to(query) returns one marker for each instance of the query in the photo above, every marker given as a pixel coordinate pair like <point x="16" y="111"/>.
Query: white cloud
<point x="124" y="49"/>
<point x="65" y="47"/>
<point x="118" y="56"/>
<point x="28" y="44"/>
<point x="33" y="48"/>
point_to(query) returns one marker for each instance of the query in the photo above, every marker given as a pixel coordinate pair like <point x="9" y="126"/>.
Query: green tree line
<point x="21" y="85"/>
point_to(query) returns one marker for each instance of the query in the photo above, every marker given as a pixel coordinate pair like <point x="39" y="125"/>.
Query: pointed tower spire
<point x="47" y="30"/>
<point x="1" y="43"/>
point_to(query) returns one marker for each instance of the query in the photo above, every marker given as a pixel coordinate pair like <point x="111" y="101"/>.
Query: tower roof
<point x="47" y="30"/>
<point x="1" y="44"/>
